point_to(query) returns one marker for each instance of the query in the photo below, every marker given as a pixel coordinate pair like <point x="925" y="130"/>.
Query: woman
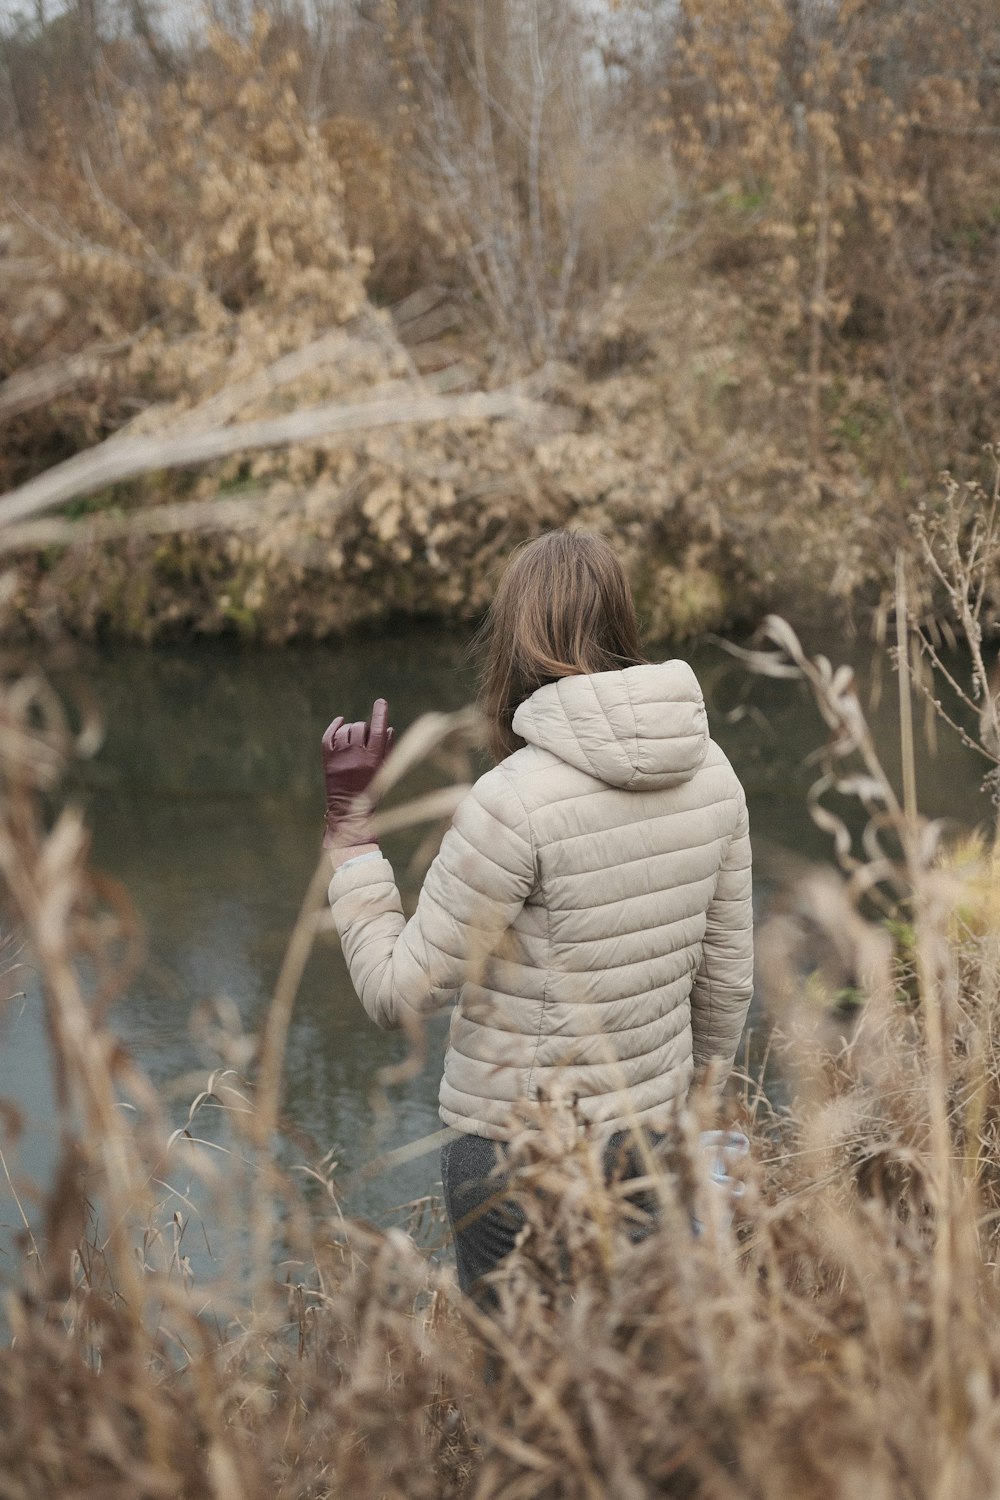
<point x="589" y="910"/>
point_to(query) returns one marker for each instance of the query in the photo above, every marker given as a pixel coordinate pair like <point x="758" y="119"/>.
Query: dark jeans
<point x="483" y="1236"/>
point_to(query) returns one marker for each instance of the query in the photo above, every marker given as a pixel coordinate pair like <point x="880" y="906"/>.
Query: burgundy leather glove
<point x="352" y="753"/>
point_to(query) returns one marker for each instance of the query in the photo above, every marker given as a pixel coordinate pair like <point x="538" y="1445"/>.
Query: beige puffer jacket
<point x="589" y="908"/>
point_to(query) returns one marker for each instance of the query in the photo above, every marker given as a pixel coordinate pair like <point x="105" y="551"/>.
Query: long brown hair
<point x="563" y="608"/>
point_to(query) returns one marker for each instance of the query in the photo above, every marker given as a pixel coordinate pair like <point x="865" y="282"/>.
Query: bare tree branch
<point x="27" y="389"/>
<point x="248" y="512"/>
<point x="121" y="458"/>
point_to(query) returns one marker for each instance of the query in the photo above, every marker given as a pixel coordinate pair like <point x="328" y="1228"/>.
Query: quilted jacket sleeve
<point x="723" y="985"/>
<point x="478" y="883"/>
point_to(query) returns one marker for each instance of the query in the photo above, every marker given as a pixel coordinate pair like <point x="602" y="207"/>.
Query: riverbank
<point x="671" y="444"/>
<point x="758" y="346"/>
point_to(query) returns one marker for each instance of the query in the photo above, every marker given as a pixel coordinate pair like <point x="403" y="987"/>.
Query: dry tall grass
<point x="840" y="1339"/>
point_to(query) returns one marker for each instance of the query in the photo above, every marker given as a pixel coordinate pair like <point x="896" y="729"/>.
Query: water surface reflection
<point x="206" y="802"/>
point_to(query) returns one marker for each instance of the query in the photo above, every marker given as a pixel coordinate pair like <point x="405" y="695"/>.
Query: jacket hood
<point x="640" y="729"/>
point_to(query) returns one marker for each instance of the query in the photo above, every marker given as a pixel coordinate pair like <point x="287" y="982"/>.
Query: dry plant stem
<point x="926" y="923"/>
<point x="541" y="1396"/>
<point x="249" y="512"/>
<point x="538" y="92"/>
<point x="428" y="733"/>
<point x="965" y="568"/>
<point x="20" y="1210"/>
<point x="39" y="384"/>
<point x="224" y="405"/>
<point x="838" y="704"/>
<point x="905" y="704"/>
<point x="44" y="894"/>
<point x="275" y="1036"/>
<point x="75" y="242"/>
<point x="817" y="306"/>
<point x="933" y="656"/>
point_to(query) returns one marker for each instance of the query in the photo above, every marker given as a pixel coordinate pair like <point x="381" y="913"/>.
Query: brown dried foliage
<point x="854" y="152"/>
<point x="762" y="242"/>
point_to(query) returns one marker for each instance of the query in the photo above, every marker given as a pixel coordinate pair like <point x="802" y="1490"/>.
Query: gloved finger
<point x="357" y="734"/>
<point x="342" y="739"/>
<point x="390" y="735"/>
<point x="331" y="730"/>
<point x="379" y="725"/>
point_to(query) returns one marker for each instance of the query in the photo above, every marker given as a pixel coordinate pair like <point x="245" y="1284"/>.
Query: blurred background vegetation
<point x="751" y="246"/>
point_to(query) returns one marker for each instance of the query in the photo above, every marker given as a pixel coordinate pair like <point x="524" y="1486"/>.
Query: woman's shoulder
<point x="722" y="789"/>
<point x="717" y="760"/>
<point x="535" y="774"/>
<point x="517" y="786"/>
<point x="720" y="770"/>
<point x="500" y="791"/>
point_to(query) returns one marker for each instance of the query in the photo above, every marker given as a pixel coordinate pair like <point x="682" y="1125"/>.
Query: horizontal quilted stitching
<point x="599" y="939"/>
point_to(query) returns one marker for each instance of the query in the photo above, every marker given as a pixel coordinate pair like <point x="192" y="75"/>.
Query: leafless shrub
<point x="959" y="541"/>
<point x="546" y="195"/>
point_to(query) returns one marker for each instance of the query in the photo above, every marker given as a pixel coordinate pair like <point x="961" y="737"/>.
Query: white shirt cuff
<point x="359" y="859"/>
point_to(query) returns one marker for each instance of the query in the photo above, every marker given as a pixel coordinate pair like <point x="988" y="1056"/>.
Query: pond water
<point x="206" y="801"/>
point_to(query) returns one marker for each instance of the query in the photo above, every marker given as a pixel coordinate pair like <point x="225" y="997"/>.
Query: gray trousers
<point x="484" y="1235"/>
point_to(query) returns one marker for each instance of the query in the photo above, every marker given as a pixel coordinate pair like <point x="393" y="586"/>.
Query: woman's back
<point x="590" y="906"/>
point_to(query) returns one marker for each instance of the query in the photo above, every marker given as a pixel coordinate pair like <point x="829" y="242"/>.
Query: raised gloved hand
<point x="352" y="753"/>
